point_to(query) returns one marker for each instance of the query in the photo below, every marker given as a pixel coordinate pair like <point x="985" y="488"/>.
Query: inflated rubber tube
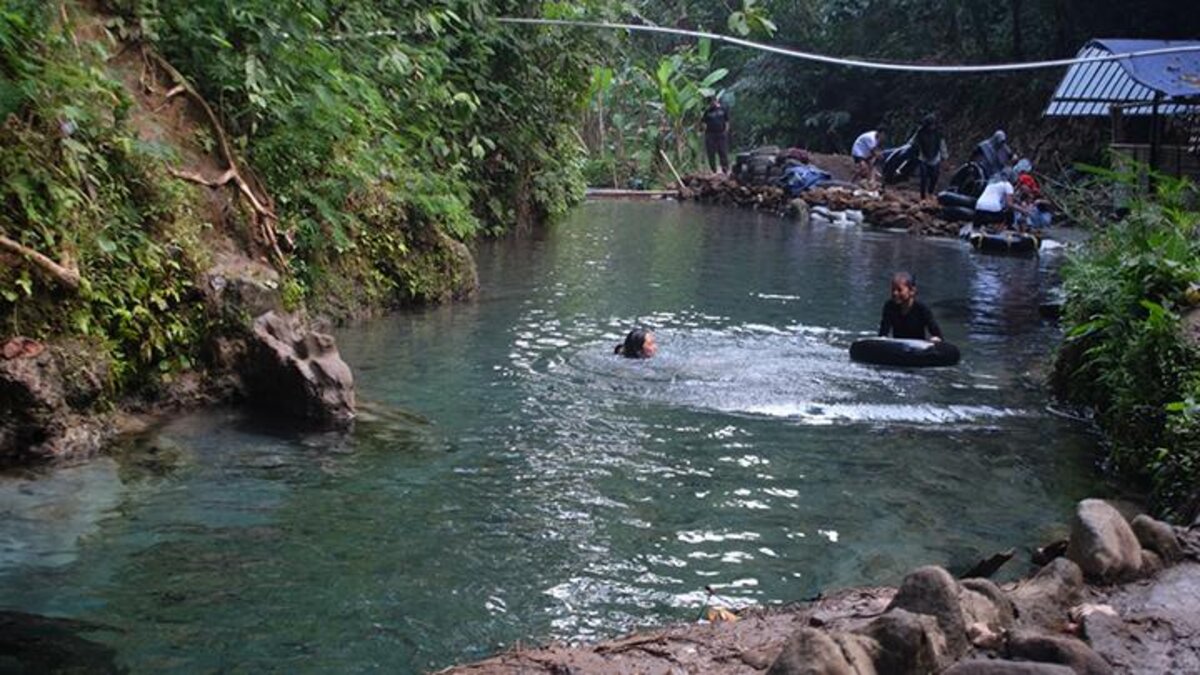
<point x="1004" y="242"/>
<point x="885" y="351"/>
<point x="957" y="214"/>
<point x="948" y="198"/>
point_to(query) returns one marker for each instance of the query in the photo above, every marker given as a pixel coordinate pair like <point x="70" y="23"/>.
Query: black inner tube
<point x="894" y="352"/>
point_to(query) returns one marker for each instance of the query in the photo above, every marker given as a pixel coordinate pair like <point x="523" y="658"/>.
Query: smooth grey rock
<point x="908" y="643"/>
<point x="932" y="590"/>
<point x="810" y="652"/>
<point x="1102" y="543"/>
<point x="1157" y="536"/>
<point x="297" y="372"/>
<point x="1005" y="612"/>
<point x="1152" y="564"/>
<point x="996" y="667"/>
<point x="859" y="651"/>
<point x="1053" y="649"/>
<point x="1044" y="600"/>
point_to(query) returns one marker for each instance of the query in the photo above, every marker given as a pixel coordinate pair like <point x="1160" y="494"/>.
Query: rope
<point x="858" y="63"/>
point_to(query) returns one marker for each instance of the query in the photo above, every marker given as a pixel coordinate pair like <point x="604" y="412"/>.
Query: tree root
<point x="264" y="216"/>
<point x="65" y="275"/>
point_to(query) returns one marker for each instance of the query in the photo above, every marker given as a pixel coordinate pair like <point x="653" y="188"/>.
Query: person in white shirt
<point x="996" y="205"/>
<point x="865" y="152"/>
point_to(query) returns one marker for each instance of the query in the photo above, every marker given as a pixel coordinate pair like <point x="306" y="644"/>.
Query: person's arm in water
<point x="931" y="325"/>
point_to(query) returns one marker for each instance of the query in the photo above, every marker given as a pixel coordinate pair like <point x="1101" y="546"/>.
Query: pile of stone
<point x="1114" y="598"/>
<point x="891" y="209"/>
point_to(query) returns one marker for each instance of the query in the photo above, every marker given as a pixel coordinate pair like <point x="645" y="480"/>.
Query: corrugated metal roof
<point x="1090" y="88"/>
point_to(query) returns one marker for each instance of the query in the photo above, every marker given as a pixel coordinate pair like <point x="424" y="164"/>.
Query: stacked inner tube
<point x="956" y="207"/>
<point x="886" y="351"/>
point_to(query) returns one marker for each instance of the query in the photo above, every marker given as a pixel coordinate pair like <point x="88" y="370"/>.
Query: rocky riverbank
<point x="893" y="208"/>
<point x="1119" y="597"/>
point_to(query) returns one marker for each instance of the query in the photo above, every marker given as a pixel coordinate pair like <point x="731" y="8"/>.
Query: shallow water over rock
<point x="509" y="478"/>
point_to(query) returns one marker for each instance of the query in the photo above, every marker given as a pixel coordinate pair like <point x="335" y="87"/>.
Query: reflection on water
<point x="511" y="479"/>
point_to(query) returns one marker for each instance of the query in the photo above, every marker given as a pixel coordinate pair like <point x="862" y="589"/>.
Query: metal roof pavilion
<point x="1092" y="88"/>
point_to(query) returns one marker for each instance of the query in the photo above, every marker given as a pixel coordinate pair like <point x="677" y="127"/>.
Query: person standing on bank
<point x="904" y="317"/>
<point x="931" y="151"/>
<point x="716" y="134"/>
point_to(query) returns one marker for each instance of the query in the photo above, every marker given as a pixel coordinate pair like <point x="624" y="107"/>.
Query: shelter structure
<point x="1153" y="101"/>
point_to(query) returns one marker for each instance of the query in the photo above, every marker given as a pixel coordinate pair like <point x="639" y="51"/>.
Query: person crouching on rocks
<point x="904" y="317"/>
<point x="866" y="152"/>
<point x="638" y="344"/>
<point x="997" y="204"/>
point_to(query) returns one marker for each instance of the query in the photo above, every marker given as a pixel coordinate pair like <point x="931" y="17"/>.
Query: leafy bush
<point x="80" y="188"/>
<point x="1127" y="354"/>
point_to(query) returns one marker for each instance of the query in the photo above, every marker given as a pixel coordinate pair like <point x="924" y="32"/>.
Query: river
<point x="510" y="479"/>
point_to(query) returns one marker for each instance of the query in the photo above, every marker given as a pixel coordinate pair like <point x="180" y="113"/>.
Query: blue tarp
<point x="799" y="177"/>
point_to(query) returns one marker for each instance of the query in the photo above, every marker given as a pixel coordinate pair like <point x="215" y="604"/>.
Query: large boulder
<point x="813" y="652"/>
<point x="295" y="371"/>
<point x="909" y="644"/>
<point x="1052" y="649"/>
<point x="932" y="590"/>
<point x="1102" y="543"/>
<point x="1043" y="600"/>
<point x="983" y="602"/>
<point x="1157" y="536"/>
<point x="48" y="401"/>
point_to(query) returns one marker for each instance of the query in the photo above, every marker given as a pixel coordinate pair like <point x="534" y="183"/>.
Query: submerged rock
<point x="39" y="644"/>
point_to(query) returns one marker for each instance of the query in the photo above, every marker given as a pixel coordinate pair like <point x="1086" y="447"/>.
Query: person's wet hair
<point x="634" y="346"/>
<point x="905" y="278"/>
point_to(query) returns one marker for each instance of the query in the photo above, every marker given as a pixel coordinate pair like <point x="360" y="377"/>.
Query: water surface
<point x="512" y="479"/>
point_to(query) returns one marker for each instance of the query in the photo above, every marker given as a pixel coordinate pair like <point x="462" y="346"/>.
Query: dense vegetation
<point x="78" y="186"/>
<point x="383" y="130"/>
<point x="1133" y="348"/>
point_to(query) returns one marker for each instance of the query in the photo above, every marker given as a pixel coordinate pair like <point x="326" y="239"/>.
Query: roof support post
<point x="1154" y="139"/>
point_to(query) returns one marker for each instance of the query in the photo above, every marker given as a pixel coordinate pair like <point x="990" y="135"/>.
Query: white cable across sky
<point x="855" y="63"/>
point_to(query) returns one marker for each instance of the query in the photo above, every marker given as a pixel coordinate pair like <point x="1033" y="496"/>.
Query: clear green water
<point x="511" y="479"/>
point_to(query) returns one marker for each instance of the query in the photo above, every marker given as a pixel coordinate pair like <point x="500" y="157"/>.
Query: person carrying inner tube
<point x="904" y="317"/>
<point x="639" y="344"/>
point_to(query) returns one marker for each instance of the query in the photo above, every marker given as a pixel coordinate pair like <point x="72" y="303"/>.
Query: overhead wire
<point x="853" y="62"/>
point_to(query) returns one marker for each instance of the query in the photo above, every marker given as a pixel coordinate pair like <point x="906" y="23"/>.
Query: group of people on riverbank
<point x="1010" y="197"/>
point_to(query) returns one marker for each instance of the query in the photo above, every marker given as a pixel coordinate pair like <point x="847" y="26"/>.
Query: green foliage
<point x="650" y="105"/>
<point x="1126" y="354"/>
<point x="433" y="102"/>
<point x="80" y="187"/>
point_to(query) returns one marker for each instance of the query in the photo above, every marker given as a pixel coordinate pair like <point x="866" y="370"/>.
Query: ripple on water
<point x="798" y="373"/>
